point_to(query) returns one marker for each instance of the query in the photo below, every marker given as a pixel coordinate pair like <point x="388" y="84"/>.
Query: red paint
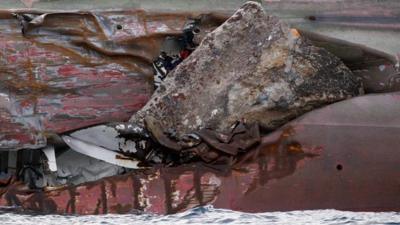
<point x="328" y="159"/>
<point x="66" y="85"/>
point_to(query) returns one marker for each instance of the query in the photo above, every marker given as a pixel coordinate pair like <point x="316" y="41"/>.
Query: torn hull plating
<point x="96" y="67"/>
<point x="57" y="78"/>
<point x="344" y="156"/>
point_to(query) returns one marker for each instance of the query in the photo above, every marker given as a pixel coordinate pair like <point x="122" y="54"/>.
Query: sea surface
<point x="208" y="215"/>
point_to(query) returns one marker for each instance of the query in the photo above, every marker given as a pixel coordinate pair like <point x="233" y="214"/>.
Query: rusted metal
<point x="94" y="68"/>
<point x="72" y="70"/>
<point x="344" y="156"/>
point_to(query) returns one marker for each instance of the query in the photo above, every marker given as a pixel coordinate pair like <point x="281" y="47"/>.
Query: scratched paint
<point x="298" y="167"/>
<point x="96" y="67"/>
<point x="93" y="69"/>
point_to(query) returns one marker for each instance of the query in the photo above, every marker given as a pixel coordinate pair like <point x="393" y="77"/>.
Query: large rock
<point x="252" y="68"/>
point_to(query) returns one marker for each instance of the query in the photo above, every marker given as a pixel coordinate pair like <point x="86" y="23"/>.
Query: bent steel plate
<point x="71" y="70"/>
<point x="368" y="22"/>
<point x="76" y="69"/>
<point x="344" y="156"/>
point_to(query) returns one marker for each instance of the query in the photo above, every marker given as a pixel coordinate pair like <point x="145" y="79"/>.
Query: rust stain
<point x="59" y="75"/>
<point x="168" y="190"/>
<point x="295" y="32"/>
<point x="288" y="171"/>
<point x="95" y="68"/>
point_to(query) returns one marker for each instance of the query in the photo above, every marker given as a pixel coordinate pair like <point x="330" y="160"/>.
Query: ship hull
<point x="344" y="156"/>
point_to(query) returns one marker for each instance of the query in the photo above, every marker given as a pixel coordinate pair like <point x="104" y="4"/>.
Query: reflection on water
<point x="209" y="215"/>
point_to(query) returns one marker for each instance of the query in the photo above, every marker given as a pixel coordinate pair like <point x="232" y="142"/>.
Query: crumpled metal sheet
<point x="51" y="79"/>
<point x="366" y="22"/>
<point x="72" y="70"/>
<point x="344" y="156"/>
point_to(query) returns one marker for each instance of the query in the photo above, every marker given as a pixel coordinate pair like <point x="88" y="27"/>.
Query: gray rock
<point x="252" y="68"/>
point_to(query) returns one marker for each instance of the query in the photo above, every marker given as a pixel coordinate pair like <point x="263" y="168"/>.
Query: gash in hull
<point x="63" y="72"/>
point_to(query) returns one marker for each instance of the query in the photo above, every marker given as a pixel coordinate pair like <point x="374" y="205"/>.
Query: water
<point x="209" y="215"/>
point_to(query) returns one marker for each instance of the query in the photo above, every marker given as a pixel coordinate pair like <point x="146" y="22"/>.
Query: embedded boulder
<point x="252" y="68"/>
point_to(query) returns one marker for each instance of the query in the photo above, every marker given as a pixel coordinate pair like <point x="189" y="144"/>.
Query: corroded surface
<point x="366" y="22"/>
<point x="343" y="156"/>
<point x="94" y="59"/>
<point x="71" y="70"/>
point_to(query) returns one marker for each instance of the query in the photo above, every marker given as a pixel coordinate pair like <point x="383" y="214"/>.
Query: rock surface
<point x="252" y="68"/>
